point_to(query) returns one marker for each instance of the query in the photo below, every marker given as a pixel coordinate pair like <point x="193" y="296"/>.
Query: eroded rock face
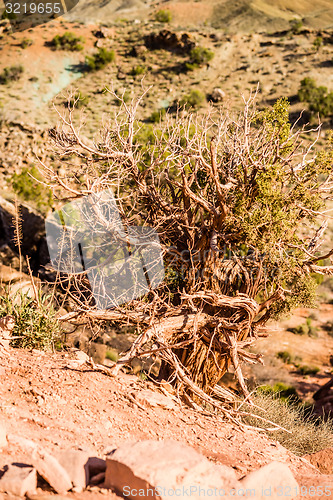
<point x="168" y="40"/>
<point x="159" y="469"/>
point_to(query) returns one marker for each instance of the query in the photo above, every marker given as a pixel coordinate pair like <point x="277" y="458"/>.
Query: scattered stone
<point x="121" y="75"/>
<point x="75" y="462"/>
<point x="271" y="481"/>
<point x="100" y="43"/>
<point x="47" y="466"/>
<point x="18" y="479"/>
<point x="138" y="51"/>
<point x="168" y="40"/>
<point x="104" y="33"/>
<point x="322" y="460"/>
<point x="151" y="399"/>
<point x="218" y="95"/>
<point x="160" y="469"/>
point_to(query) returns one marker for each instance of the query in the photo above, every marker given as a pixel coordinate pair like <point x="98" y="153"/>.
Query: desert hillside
<point x="209" y="121"/>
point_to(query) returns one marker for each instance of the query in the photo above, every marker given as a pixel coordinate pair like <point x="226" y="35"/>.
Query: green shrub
<point x="112" y="354"/>
<point x="283" y="391"/>
<point x="163" y="16"/>
<point x="194" y="99"/>
<point x="78" y="99"/>
<point x="67" y="41"/>
<point x="100" y="59"/>
<point x="138" y="70"/>
<point x="285" y="356"/>
<point x="308" y="370"/>
<point x="29" y="189"/>
<point x="157" y="116"/>
<point x="11" y="74"/>
<point x="305" y="329"/>
<point x="318" y="42"/>
<point x="35" y="326"/>
<point x="126" y="98"/>
<point x="296" y="25"/>
<point x="26" y="42"/>
<point x="319" y="99"/>
<point x="8" y="15"/>
<point x="199" y="56"/>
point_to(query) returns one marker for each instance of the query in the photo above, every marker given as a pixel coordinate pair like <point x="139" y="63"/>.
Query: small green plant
<point x="36" y="325"/>
<point x="296" y="25"/>
<point x="318" y="98"/>
<point x="199" y="56"/>
<point x="157" y="116"/>
<point x="112" y="354"/>
<point x="194" y="99"/>
<point x="317" y="43"/>
<point x="126" y="96"/>
<point x="308" y="370"/>
<point x="25" y="184"/>
<point x="163" y="16"/>
<point x="8" y="15"/>
<point x="67" y="41"/>
<point x="138" y="70"/>
<point x="78" y="99"/>
<point x="11" y="74"/>
<point x="100" y="59"/>
<point x="285" y="356"/>
<point x="305" y="329"/>
<point x="26" y="42"/>
<point x="283" y="391"/>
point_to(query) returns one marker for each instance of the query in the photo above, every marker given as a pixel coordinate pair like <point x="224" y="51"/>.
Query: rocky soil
<point x="60" y="404"/>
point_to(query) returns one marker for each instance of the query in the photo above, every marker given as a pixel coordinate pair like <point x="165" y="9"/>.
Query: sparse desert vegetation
<point x="200" y="123"/>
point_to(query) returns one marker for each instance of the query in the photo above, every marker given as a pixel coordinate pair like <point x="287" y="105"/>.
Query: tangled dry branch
<point x="228" y="197"/>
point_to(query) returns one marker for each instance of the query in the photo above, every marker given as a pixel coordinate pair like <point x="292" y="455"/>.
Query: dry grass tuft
<point x="308" y="434"/>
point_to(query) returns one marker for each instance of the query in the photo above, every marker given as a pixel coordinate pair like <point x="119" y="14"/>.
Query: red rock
<point x="160" y="469"/>
<point x="18" y="480"/>
<point x="274" y="481"/>
<point x="47" y="465"/>
<point x="75" y="463"/>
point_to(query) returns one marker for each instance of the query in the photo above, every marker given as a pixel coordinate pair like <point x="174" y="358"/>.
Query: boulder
<point x="217" y="95"/>
<point x="104" y="32"/>
<point x="273" y="481"/>
<point x="47" y="465"/>
<point x="322" y="460"/>
<point x="75" y="462"/>
<point x="169" y="40"/>
<point x="160" y="469"/>
<point x="18" y="479"/>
